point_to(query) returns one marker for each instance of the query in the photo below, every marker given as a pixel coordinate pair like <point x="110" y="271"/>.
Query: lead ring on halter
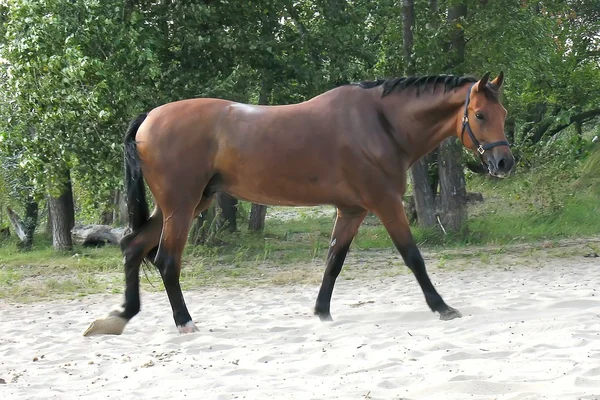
<point x="481" y="148"/>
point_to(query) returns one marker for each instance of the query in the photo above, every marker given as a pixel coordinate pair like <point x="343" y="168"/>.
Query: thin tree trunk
<point x="453" y="194"/>
<point x="31" y="220"/>
<point x="510" y="130"/>
<point x="228" y="212"/>
<point x="422" y="193"/>
<point x="258" y="212"/>
<point x="419" y="172"/>
<point x="433" y="6"/>
<point x="121" y="208"/>
<point x="62" y="213"/>
<point x="201" y="232"/>
<point x="457" y="49"/>
<point x="108" y="215"/>
<point x="408" y="25"/>
<point x="24" y="228"/>
<point x="452" y="177"/>
<point x="48" y="218"/>
<point x="579" y="128"/>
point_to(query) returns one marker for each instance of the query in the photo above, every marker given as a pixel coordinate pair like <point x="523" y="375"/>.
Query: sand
<point x="529" y="331"/>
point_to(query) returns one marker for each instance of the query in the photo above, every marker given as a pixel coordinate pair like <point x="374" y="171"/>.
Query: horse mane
<point x="420" y="82"/>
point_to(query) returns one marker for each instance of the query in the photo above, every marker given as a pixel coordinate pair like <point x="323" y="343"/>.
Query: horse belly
<point x="279" y="189"/>
<point x="286" y="180"/>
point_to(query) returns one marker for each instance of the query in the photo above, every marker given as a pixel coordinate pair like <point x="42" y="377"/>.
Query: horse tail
<point x="137" y="207"/>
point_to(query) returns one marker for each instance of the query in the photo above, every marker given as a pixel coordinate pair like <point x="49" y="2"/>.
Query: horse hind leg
<point x="134" y="246"/>
<point x="345" y="228"/>
<point x="175" y="231"/>
<point x="200" y="208"/>
<point x="176" y="225"/>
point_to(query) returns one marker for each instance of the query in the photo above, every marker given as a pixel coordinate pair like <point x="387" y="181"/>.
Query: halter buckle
<point x="465" y="120"/>
<point x="480" y="149"/>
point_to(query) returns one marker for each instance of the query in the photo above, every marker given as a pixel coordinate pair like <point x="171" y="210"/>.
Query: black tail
<point x="134" y="180"/>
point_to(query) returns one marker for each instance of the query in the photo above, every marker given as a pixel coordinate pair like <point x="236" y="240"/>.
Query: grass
<point x="537" y="206"/>
<point x="533" y="207"/>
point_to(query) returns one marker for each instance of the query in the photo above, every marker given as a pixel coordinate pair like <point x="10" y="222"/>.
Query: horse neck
<point x="425" y="121"/>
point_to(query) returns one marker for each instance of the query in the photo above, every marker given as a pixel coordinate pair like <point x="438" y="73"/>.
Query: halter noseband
<point x="481" y="148"/>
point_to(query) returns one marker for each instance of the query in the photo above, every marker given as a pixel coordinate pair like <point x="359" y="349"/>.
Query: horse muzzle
<point x="500" y="163"/>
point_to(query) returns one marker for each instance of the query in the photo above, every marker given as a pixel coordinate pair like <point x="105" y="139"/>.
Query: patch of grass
<point x="579" y="217"/>
<point x="42" y="273"/>
<point x="105" y="259"/>
<point x="532" y="207"/>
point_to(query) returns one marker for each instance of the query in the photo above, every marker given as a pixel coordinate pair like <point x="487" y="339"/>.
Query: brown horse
<point x="350" y="147"/>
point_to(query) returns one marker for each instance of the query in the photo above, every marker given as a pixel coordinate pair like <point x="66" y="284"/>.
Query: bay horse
<point x="350" y="147"/>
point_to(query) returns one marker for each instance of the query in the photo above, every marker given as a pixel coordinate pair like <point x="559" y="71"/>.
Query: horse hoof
<point x="449" y="314"/>
<point x="111" y="325"/>
<point x="189" y="327"/>
<point x="324" y="317"/>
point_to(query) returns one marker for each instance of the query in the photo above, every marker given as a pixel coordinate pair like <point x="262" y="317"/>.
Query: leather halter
<point x="481" y="148"/>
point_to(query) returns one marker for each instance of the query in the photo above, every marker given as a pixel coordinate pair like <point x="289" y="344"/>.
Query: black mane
<point x="420" y="82"/>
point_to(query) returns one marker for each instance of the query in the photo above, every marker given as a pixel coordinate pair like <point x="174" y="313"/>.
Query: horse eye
<point x="479" y="116"/>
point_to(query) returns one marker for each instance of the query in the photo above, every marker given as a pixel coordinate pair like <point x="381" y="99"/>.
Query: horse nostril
<point x="502" y="165"/>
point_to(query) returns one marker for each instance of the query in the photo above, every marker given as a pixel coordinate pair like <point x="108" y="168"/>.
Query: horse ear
<point x="499" y="79"/>
<point x="483" y="81"/>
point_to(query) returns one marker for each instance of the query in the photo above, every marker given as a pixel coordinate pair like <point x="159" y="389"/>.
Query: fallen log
<point x="96" y="235"/>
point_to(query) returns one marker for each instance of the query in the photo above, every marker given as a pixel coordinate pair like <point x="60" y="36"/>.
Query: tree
<point x="453" y="193"/>
<point x="423" y="192"/>
<point x="62" y="214"/>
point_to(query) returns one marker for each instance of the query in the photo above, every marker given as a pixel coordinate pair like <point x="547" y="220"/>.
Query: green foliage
<point x="72" y="74"/>
<point x="548" y="199"/>
<point x="590" y="175"/>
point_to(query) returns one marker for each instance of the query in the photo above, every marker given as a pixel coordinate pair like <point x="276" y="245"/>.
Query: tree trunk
<point x="227" y="213"/>
<point x="48" y="218"/>
<point x="62" y="213"/>
<point x="423" y="195"/>
<point x="24" y="227"/>
<point x="452" y="177"/>
<point x="258" y="212"/>
<point x="419" y="172"/>
<point x="23" y="231"/>
<point x="457" y="49"/>
<point x="510" y="130"/>
<point x="121" y="208"/>
<point x="31" y="220"/>
<point x="17" y="224"/>
<point x="453" y="194"/>
<point x="433" y="6"/>
<point x="579" y="128"/>
<point x="257" y="218"/>
<point x="202" y="231"/>
<point x="408" y="24"/>
<point x="107" y="216"/>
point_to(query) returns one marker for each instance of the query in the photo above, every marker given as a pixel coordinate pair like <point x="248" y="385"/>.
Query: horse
<point x="350" y="147"/>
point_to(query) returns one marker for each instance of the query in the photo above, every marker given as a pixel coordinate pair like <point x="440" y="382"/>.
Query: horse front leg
<point x="392" y="215"/>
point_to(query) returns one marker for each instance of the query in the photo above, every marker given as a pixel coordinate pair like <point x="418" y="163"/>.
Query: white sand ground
<point x="528" y="332"/>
